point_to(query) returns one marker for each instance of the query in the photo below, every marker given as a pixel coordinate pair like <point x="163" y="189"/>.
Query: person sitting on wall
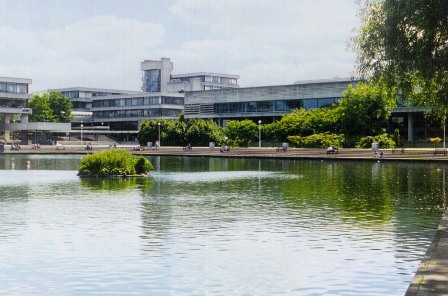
<point x="224" y="149"/>
<point x="89" y="146"/>
<point x="332" y="150"/>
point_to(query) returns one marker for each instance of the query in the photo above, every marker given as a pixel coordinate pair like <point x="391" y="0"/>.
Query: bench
<point x="440" y="151"/>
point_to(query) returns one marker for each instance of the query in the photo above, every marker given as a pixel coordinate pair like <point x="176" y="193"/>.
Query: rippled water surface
<point x="210" y="226"/>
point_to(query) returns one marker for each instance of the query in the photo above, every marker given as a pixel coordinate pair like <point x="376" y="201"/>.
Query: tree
<point x="364" y="110"/>
<point x="54" y="107"/>
<point x="201" y="132"/>
<point x="405" y="44"/>
<point x="241" y="133"/>
<point x="40" y="105"/>
<point x="305" y="123"/>
<point x="61" y="107"/>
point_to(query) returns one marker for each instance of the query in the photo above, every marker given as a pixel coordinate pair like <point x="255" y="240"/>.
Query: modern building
<point x="157" y="77"/>
<point x="125" y="112"/>
<point x="13" y="104"/>
<point x="270" y="103"/>
<point x="266" y="103"/>
<point x="14" y="112"/>
<point x="162" y="97"/>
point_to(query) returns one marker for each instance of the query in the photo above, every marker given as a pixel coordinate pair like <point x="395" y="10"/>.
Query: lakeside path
<point x="431" y="277"/>
<point x="409" y="154"/>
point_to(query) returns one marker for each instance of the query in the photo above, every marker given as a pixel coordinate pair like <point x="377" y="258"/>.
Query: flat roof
<point x="195" y="74"/>
<point x="313" y="81"/>
<point x="15" y="80"/>
<point x="93" y="89"/>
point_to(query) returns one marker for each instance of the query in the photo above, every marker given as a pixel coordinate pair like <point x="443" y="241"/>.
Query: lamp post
<point x="259" y="133"/>
<point x="81" y="131"/>
<point x="159" y="132"/>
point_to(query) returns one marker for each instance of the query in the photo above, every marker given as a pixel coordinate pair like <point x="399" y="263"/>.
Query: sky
<point x="100" y="43"/>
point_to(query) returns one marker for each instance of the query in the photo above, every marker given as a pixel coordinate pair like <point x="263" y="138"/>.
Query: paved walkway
<point x="292" y="153"/>
<point x="431" y="278"/>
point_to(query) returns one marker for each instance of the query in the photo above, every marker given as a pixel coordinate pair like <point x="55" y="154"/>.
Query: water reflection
<point x="217" y="226"/>
<point x="115" y="183"/>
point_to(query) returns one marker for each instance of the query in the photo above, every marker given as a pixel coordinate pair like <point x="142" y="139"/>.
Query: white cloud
<point x="286" y="38"/>
<point x="264" y="41"/>
<point x="103" y="51"/>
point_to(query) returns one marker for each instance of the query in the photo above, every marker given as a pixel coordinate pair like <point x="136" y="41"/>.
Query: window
<point x="22" y="88"/>
<point x="321" y="103"/>
<point x="97" y="104"/>
<point x="11" y="87"/>
<point x="3" y="86"/>
<point x="310" y="104"/>
<point x="140" y="101"/>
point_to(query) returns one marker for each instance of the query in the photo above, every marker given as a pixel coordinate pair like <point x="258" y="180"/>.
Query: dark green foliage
<point x="142" y="165"/>
<point x="241" y="133"/>
<point x="405" y="44"/>
<point x="383" y="140"/>
<point x="113" y="162"/>
<point x="201" y="132"/>
<point x="323" y="140"/>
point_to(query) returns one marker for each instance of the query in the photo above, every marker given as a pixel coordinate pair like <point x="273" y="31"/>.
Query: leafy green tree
<point x="405" y="44"/>
<point x="241" y="133"/>
<point x="364" y="110"/>
<point x="201" y="132"/>
<point x="40" y="105"/>
<point x="149" y="131"/>
<point x="54" y="107"/>
<point x="61" y="107"/>
<point x="305" y="123"/>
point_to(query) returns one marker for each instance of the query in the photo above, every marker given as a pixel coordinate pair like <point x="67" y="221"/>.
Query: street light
<point x="159" y="132"/>
<point x="259" y="133"/>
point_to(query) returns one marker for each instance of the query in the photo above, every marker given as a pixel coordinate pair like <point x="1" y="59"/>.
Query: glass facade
<point x="18" y="88"/>
<point x="151" y="80"/>
<point x="139" y="101"/>
<point x="280" y="106"/>
<point x="156" y="112"/>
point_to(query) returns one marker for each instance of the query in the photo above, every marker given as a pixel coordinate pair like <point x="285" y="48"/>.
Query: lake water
<point x="212" y="226"/>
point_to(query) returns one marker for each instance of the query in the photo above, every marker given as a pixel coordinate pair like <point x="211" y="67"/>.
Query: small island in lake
<point x="114" y="163"/>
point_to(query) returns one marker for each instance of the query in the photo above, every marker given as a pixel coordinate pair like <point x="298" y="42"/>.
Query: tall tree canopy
<point x="405" y="44"/>
<point x="54" y="107"/>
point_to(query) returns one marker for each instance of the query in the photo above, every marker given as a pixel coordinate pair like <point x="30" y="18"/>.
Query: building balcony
<point x="15" y="110"/>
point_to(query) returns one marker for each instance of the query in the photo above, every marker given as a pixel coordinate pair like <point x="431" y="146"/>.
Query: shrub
<point x="383" y="140"/>
<point x="435" y="141"/>
<point x="317" y="140"/>
<point x="113" y="162"/>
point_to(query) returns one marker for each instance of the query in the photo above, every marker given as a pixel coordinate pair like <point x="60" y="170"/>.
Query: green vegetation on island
<point x="114" y="162"/>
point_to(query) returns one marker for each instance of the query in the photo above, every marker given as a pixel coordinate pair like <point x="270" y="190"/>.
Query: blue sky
<point x="100" y="43"/>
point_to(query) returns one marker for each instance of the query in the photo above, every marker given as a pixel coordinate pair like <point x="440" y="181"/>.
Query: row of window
<point x="213" y="79"/>
<point x="157" y="112"/>
<point x="20" y="88"/>
<point x="221" y="80"/>
<point x="86" y="94"/>
<point x="273" y="106"/>
<point x="140" y="101"/>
